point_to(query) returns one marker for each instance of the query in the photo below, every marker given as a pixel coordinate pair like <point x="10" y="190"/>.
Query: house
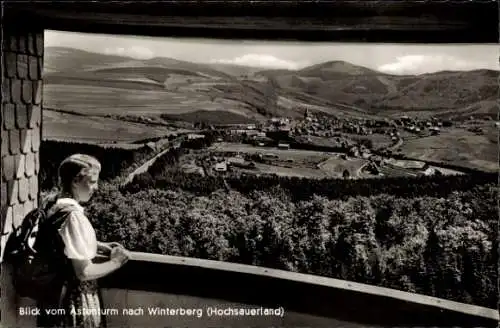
<point x="261" y="134"/>
<point x="192" y="136"/>
<point x="270" y="156"/>
<point x="366" y="155"/>
<point x="283" y="146"/>
<point x="235" y="160"/>
<point x="245" y="165"/>
<point x="354" y="151"/>
<point x="434" y="130"/>
<point x="430" y="171"/>
<point x="221" y="167"/>
<point x="284" y="121"/>
<point x="253" y="133"/>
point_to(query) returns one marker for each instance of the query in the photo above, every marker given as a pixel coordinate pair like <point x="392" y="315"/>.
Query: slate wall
<point x="21" y="128"/>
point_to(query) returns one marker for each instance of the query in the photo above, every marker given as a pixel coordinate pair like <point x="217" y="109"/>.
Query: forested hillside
<point x="114" y="161"/>
<point x="438" y="246"/>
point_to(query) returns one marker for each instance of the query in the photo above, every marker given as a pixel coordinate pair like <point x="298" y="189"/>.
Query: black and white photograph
<point x="367" y="170"/>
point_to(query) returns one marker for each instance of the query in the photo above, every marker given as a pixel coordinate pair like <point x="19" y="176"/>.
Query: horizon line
<point x="263" y="69"/>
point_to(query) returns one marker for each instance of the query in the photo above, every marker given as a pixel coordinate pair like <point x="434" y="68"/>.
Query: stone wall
<point x="22" y="64"/>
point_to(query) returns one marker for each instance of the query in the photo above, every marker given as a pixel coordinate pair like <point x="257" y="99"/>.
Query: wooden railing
<point x="151" y="281"/>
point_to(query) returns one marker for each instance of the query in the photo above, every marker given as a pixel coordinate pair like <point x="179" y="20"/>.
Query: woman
<point x="75" y="240"/>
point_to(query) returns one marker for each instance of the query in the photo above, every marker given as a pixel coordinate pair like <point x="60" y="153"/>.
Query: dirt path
<point x="145" y="166"/>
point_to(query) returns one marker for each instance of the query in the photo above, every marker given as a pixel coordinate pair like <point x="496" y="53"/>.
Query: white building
<point x="221" y="167"/>
<point x="235" y="160"/>
<point x="192" y="136"/>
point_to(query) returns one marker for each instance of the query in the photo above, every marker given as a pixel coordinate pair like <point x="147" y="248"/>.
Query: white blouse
<point x="77" y="233"/>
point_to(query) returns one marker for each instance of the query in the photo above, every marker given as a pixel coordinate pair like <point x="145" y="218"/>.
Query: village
<point x="316" y="146"/>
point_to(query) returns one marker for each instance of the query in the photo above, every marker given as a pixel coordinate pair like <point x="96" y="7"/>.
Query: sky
<point x="387" y="58"/>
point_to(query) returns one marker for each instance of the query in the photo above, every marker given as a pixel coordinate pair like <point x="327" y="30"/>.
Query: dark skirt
<point x="79" y="307"/>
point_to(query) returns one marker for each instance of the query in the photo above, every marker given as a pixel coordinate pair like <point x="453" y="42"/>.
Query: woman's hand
<point x="106" y="248"/>
<point x="114" y="244"/>
<point x="120" y="255"/>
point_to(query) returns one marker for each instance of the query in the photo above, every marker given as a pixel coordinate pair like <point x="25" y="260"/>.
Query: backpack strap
<point x="48" y="229"/>
<point x="58" y="217"/>
<point x="52" y="241"/>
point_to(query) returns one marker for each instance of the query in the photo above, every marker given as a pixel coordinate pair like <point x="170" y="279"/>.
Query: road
<point x="359" y="172"/>
<point x="145" y="166"/>
<point x="397" y="145"/>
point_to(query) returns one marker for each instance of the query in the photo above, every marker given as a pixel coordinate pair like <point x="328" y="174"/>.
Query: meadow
<point x="96" y="129"/>
<point x="335" y="167"/>
<point x="97" y="99"/>
<point x="456" y="146"/>
<point x="293" y="162"/>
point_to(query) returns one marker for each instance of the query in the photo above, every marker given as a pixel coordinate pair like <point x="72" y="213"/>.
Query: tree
<point x="439" y="246"/>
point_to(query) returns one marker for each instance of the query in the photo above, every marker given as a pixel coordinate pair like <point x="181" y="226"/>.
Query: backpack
<point x="38" y="268"/>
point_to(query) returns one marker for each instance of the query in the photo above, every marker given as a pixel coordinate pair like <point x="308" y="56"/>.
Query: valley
<point x="102" y="90"/>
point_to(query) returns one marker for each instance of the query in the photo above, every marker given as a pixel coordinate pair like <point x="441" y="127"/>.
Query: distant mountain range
<point x="333" y="87"/>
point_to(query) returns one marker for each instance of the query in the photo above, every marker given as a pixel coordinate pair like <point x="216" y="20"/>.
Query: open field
<point x="210" y="117"/>
<point x="97" y="99"/>
<point x="334" y="166"/>
<point x="455" y="146"/>
<point x="378" y="140"/>
<point x="69" y="127"/>
<point x="393" y="171"/>
<point x="446" y="171"/>
<point x="288" y="171"/>
<point x="407" y="135"/>
<point x="97" y="142"/>
<point x="481" y="109"/>
<point x="282" y="153"/>
<point x="327" y="164"/>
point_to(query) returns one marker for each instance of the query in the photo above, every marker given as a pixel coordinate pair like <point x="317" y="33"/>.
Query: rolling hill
<point x="383" y="94"/>
<point x="87" y="82"/>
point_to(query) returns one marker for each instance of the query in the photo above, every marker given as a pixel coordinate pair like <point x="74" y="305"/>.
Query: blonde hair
<point x="76" y="166"/>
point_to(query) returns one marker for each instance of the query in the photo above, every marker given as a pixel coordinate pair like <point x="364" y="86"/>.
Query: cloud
<point x="135" y="52"/>
<point x="420" y="64"/>
<point x="260" y="60"/>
